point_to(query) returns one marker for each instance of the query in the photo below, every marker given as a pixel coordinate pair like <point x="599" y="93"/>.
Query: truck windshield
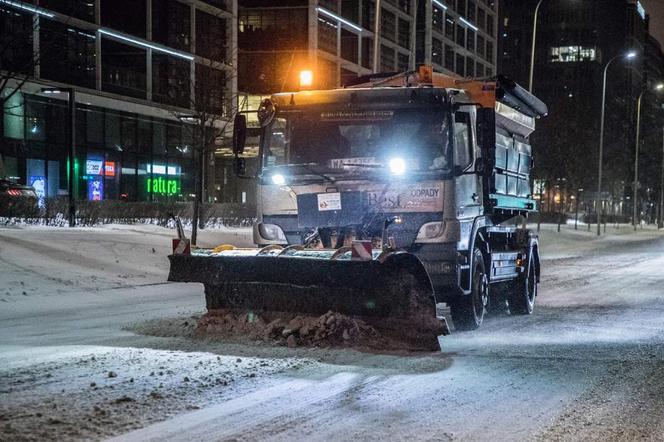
<point x="341" y="141"/>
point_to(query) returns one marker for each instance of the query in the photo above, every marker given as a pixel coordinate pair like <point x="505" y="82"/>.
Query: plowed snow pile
<point x="328" y="330"/>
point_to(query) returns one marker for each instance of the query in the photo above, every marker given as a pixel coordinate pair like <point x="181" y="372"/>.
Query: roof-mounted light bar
<point x="146" y="45"/>
<point x="439" y="4"/>
<point x="339" y="19"/>
<point x="469" y="24"/>
<point x="28" y="8"/>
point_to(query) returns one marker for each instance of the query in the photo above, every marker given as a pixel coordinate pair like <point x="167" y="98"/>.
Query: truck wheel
<point x="468" y="311"/>
<point x="522" y="296"/>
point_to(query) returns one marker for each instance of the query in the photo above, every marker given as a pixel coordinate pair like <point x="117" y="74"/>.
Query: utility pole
<point x="635" y="198"/>
<point x="660" y="224"/>
<point x="72" y="158"/>
<point x="532" y="50"/>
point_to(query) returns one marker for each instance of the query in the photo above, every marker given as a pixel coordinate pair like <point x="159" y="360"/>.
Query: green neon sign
<point x="163" y="186"/>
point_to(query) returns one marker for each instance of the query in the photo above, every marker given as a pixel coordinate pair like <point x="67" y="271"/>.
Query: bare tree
<point x="206" y="96"/>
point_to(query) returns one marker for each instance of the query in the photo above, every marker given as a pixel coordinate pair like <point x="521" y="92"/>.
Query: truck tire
<point x="468" y="311"/>
<point x="522" y="296"/>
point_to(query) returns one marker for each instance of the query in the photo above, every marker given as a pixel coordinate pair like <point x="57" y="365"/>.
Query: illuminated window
<point x="571" y="54"/>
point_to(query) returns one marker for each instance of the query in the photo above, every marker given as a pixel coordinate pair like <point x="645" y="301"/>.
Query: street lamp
<point x="658" y="87"/>
<point x="532" y="51"/>
<point x="630" y="55"/>
<point x="660" y="224"/>
<point x="71" y="183"/>
<point x="376" y="43"/>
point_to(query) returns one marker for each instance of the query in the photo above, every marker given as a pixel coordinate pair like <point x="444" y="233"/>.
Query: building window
<point x="210" y="36"/>
<point x="489" y="52"/>
<point x="210" y="90"/>
<point x="403" y="61"/>
<point x="479" y="70"/>
<point x="404" y="33"/>
<point x="123" y="69"/>
<point x="350" y="10"/>
<point x="489" y="24"/>
<point x="438" y="19"/>
<point x="470" y="40"/>
<point x="171" y="24"/>
<point x="460" y="35"/>
<point x="348" y="77"/>
<point x="404" y="6"/>
<point x="386" y="59"/>
<point x="449" y="58"/>
<point x="349" y="46"/>
<point x="470" y="67"/>
<point x="170" y="80"/>
<point x="481" y="43"/>
<point x="368" y="15"/>
<point x="114" y="15"/>
<point x="471" y="11"/>
<point x="571" y="54"/>
<point x="265" y="29"/>
<point x="460" y="65"/>
<point x="437" y="51"/>
<point x="68" y="54"/>
<point x="367" y="52"/>
<point x="481" y="18"/>
<point x="16" y="41"/>
<point x="388" y="28"/>
<point x="450" y="25"/>
<point x="328" y="73"/>
<point x="461" y="7"/>
<point x="327" y="35"/>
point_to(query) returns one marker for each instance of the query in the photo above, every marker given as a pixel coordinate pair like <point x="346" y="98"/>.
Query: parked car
<point x="17" y="199"/>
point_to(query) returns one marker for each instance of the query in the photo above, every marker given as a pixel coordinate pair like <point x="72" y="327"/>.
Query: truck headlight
<point x="271" y="232"/>
<point x="430" y="231"/>
<point x="397" y="166"/>
<point x="278" y="179"/>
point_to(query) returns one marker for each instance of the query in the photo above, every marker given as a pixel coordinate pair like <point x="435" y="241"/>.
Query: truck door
<point x="468" y="196"/>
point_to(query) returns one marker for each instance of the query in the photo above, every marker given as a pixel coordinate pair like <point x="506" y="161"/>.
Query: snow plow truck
<point x="385" y="200"/>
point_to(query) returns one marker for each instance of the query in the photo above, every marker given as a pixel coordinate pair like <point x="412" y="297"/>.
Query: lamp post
<point x="71" y="182"/>
<point x="660" y="224"/>
<point x="629" y="56"/>
<point x="376" y="45"/>
<point x="635" y="199"/>
<point x="532" y="50"/>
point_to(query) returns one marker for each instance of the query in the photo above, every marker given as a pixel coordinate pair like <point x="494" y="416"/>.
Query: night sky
<point x="656" y="10"/>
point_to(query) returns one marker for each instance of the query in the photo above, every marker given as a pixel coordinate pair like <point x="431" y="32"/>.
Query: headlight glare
<point x="278" y="179"/>
<point x="397" y="166"/>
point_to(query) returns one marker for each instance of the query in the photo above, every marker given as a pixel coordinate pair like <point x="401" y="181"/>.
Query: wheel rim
<point x="480" y="294"/>
<point x="532" y="285"/>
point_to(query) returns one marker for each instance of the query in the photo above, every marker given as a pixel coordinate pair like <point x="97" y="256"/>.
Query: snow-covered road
<point x="589" y="365"/>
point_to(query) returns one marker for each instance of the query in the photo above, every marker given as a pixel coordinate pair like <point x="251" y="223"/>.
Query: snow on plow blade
<point x="310" y="281"/>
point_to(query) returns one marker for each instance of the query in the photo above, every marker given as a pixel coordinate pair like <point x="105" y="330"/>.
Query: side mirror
<point x="486" y="140"/>
<point x="239" y="133"/>
<point x="239" y="166"/>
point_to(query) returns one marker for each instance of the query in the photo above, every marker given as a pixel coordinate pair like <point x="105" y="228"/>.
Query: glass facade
<point x="133" y="76"/>
<point x="114" y="16"/>
<point x="171" y="24"/>
<point x="120" y="155"/>
<point x="75" y="49"/>
<point x="123" y="69"/>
